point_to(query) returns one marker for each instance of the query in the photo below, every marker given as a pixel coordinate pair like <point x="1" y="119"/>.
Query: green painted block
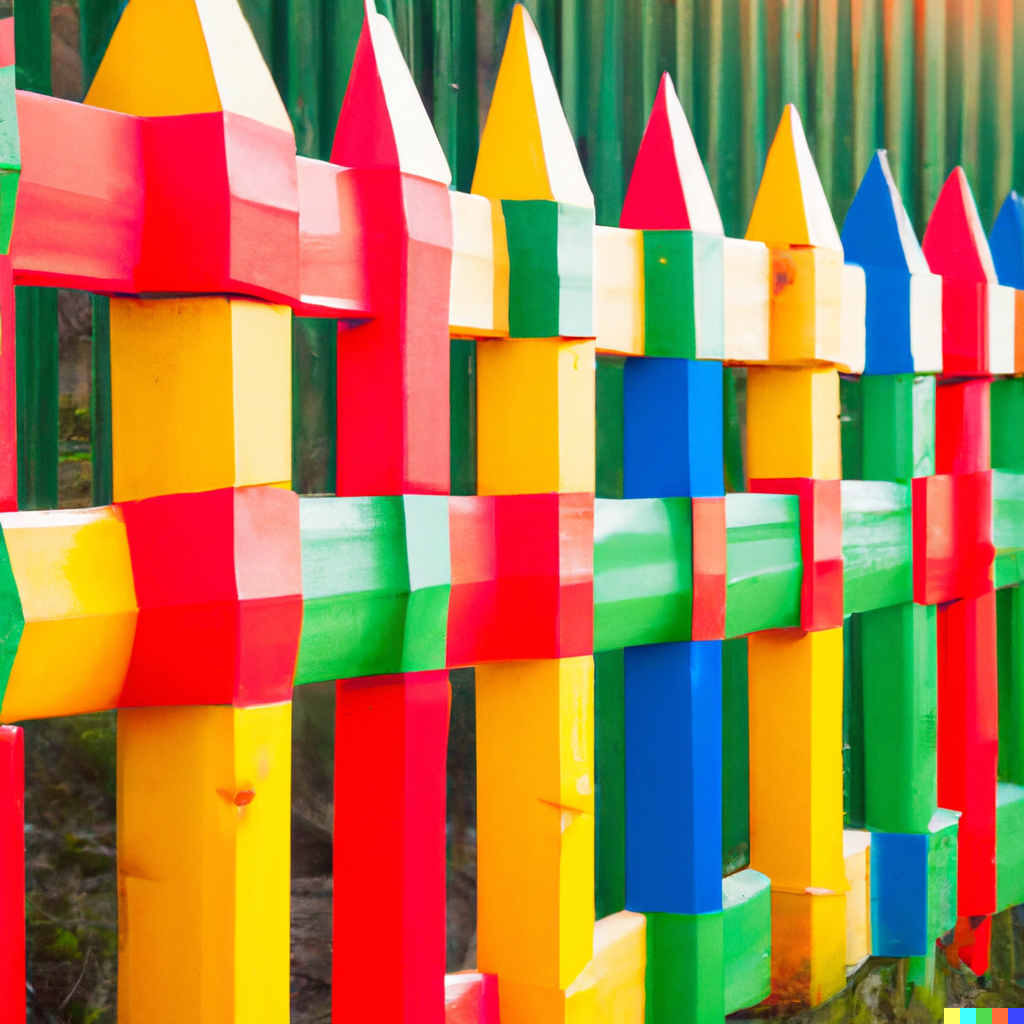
<point x="1007" y="419"/>
<point x="1008" y="526"/>
<point x="643" y="587"/>
<point x="609" y="422"/>
<point x="900" y="713"/>
<point x="899" y="426"/>
<point x="610" y="783"/>
<point x="1009" y="845"/>
<point x="888" y="427"/>
<point x="764" y="568"/>
<point x="10" y="156"/>
<point x="551" y="269"/>
<point x="684" y="295"/>
<point x="1010" y="648"/>
<point x="376" y="574"/>
<point x="942" y="868"/>
<point x="877" y="545"/>
<point x="735" y="757"/>
<point x="685" y="979"/>
<point x="12" y="618"/>
<point x="746" y="938"/>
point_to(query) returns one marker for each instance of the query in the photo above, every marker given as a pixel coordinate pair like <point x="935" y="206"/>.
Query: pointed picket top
<point x="878" y="231"/>
<point x="186" y="57"/>
<point x="954" y="241"/>
<point x="791" y="208"/>
<point x="669" y="188"/>
<point x="527" y="150"/>
<point x="1007" y="242"/>
<point x="383" y="122"/>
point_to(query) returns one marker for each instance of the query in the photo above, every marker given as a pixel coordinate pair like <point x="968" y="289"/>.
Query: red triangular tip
<point x="364" y="136"/>
<point x="383" y="123"/>
<point x="669" y="189"/>
<point x="954" y="241"/>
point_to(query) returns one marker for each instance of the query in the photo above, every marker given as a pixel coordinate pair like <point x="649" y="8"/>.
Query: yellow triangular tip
<point x="791" y="208"/>
<point x="171" y="57"/>
<point x="527" y="150"/>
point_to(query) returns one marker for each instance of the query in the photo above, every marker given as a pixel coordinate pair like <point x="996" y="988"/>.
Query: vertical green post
<point x="38" y="417"/>
<point x="454" y="87"/>
<point x="608" y="174"/>
<point x="706" y="72"/>
<point x="685" y="39"/>
<point x="867" y="100"/>
<point x="463" y="416"/>
<point x="721" y="126"/>
<point x="610" y="783"/>
<point x="898" y="69"/>
<point x="753" y="28"/>
<point x="631" y="83"/>
<point x="845" y="119"/>
<point x="32" y="46"/>
<point x="302" y="85"/>
<point x="995" y="112"/>
<point x="445" y="87"/>
<point x="787" y="80"/>
<point x="963" y="86"/>
<point x="930" y="61"/>
<point x="99" y="401"/>
<point x="314" y="405"/>
<point x="660" y="27"/>
<point x="827" y="91"/>
<point x="1018" y="96"/>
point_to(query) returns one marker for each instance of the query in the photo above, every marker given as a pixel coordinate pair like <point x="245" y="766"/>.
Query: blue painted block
<point x="899" y="894"/>
<point x="879" y="236"/>
<point x="1007" y="241"/>
<point x="887" y="321"/>
<point x="674" y="777"/>
<point x="914" y="887"/>
<point x="672" y="428"/>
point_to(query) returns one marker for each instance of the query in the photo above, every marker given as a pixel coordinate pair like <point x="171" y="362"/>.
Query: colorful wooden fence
<point x="674" y="683"/>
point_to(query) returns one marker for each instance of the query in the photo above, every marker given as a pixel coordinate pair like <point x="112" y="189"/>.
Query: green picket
<point x="37" y="416"/>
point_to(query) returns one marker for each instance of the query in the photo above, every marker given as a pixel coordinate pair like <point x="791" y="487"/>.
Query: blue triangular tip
<point x="1007" y="242"/>
<point x="877" y="230"/>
